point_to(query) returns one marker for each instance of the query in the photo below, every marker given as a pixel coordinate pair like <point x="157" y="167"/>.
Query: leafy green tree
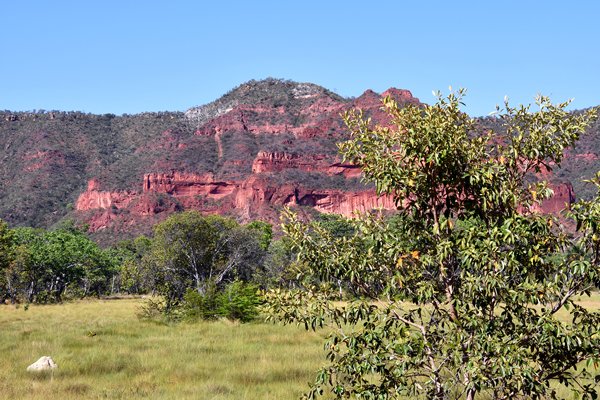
<point x="246" y="248"/>
<point x="29" y="271"/>
<point x="133" y="278"/>
<point x="236" y="301"/>
<point x="280" y="265"/>
<point x="6" y="258"/>
<point x="194" y="251"/>
<point x="264" y="230"/>
<point x="50" y="263"/>
<point x="469" y="293"/>
<point x="338" y="225"/>
<point x="16" y="275"/>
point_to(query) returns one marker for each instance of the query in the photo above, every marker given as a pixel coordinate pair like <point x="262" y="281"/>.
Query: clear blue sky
<point x="132" y="56"/>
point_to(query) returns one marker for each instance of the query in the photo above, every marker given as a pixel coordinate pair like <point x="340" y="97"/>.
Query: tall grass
<point x="104" y="352"/>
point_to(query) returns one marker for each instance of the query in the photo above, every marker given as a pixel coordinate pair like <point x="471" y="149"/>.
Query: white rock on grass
<point x="45" y="363"/>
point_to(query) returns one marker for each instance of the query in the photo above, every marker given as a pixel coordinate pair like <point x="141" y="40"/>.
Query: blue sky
<point x="133" y="56"/>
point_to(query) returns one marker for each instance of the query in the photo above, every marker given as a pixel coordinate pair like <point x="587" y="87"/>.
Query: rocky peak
<point x="371" y="100"/>
<point x="400" y="95"/>
<point x="268" y="92"/>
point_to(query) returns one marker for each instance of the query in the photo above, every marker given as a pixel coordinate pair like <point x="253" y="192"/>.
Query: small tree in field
<point x="192" y="251"/>
<point x="476" y="293"/>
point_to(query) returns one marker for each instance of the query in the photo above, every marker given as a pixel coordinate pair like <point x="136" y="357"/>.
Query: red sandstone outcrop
<point x="253" y="192"/>
<point x="370" y="102"/>
<point x="278" y="161"/>
<point x="266" y="161"/>
<point x="344" y="203"/>
<point x="93" y="198"/>
<point x="249" y="198"/>
<point x="180" y="184"/>
<point x="562" y="199"/>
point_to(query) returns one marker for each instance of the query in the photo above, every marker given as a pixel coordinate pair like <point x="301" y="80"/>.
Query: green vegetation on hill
<point x="47" y="157"/>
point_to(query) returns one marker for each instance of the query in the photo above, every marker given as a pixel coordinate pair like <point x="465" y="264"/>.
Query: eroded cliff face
<point x="279" y="161"/>
<point x="181" y="185"/>
<point x="252" y="198"/>
<point x="94" y="198"/>
<point x="251" y="178"/>
<point x="263" y="149"/>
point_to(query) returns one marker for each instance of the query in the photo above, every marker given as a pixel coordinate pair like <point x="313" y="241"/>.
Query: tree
<point x="49" y="263"/>
<point x="279" y="269"/>
<point x="129" y="254"/>
<point x="264" y="230"/>
<point x="6" y="259"/>
<point x="470" y="293"/>
<point x="336" y="224"/>
<point x="194" y="251"/>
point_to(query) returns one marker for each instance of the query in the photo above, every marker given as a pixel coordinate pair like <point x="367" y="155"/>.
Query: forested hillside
<point x="263" y="145"/>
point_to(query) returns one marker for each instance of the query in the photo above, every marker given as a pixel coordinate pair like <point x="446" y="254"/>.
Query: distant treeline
<point x="188" y="258"/>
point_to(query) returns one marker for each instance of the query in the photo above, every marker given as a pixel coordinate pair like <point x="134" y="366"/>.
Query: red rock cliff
<point x="242" y="181"/>
<point x="93" y="198"/>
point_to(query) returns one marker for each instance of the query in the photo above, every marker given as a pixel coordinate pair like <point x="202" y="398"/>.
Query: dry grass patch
<point x="104" y="352"/>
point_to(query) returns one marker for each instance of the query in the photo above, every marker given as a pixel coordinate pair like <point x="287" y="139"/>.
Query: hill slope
<point x="263" y="145"/>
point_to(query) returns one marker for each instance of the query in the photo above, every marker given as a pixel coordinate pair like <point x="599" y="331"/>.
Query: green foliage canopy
<point x="47" y="264"/>
<point x="6" y="259"/>
<point x="460" y="296"/>
<point x="190" y="250"/>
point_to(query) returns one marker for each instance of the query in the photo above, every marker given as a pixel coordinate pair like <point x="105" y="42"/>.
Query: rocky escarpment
<point x="272" y="162"/>
<point x="254" y="197"/>
<point x="273" y="145"/>
<point x="94" y="198"/>
<point x="263" y="145"/>
<point x="269" y="151"/>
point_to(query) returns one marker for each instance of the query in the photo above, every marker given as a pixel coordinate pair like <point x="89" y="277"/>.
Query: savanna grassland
<point x="104" y="351"/>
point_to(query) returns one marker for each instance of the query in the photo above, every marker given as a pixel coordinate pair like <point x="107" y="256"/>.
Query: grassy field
<point x="104" y="352"/>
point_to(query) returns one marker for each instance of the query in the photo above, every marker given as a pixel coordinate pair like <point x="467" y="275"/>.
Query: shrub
<point x="237" y="301"/>
<point x="200" y="306"/>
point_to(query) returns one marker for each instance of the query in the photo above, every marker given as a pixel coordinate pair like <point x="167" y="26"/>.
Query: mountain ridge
<point x="262" y="145"/>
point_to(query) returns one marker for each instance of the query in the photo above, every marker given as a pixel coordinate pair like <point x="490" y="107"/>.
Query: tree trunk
<point x="30" y="292"/>
<point x="112" y="285"/>
<point x="199" y="286"/>
<point x="470" y="394"/>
